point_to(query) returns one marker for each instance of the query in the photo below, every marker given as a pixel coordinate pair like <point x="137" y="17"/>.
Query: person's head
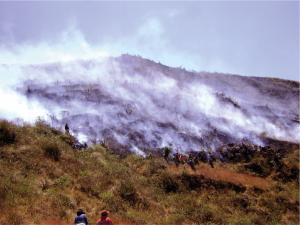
<point x="80" y="212"/>
<point x="104" y="213"/>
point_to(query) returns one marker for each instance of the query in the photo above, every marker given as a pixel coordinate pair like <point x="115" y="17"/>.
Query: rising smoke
<point x="140" y="104"/>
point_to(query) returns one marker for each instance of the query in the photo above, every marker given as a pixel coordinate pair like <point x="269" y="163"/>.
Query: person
<point x="176" y="159"/>
<point x="28" y="90"/>
<point x="167" y="151"/>
<point x="104" y="219"/>
<point x="211" y="160"/>
<point x="67" y="129"/>
<point x="191" y="162"/>
<point x="81" y="218"/>
<point x="202" y="156"/>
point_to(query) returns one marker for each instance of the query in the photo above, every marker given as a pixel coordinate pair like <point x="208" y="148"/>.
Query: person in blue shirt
<point x="81" y="218"/>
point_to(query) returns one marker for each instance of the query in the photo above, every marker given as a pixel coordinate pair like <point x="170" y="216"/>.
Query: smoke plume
<point x="136" y="104"/>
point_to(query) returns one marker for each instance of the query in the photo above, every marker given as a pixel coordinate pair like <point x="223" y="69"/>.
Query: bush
<point x="112" y="202"/>
<point x="89" y="186"/>
<point x="168" y="183"/>
<point x="128" y="192"/>
<point x="241" y="202"/>
<point x="52" y="150"/>
<point x="60" y="204"/>
<point x="7" y="133"/>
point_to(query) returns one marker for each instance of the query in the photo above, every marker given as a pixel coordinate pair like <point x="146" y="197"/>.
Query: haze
<point x="247" y="38"/>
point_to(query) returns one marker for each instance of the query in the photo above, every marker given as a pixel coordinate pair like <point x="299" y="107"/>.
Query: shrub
<point x="168" y="183"/>
<point x="240" y="202"/>
<point x="89" y="186"/>
<point x="112" y="202"/>
<point x="128" y="192"/>
<point x="60" y="204"/>
<point x="62" y="181"/>
<point x="52" y="150"/>
<point x="7" y="133"/>
<point x="191" y="182"/>
<point x="259" y="167"/>
<point x="65" y="202"/>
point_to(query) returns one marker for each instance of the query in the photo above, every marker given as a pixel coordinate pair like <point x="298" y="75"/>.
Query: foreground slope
<point x="44" y="181"/>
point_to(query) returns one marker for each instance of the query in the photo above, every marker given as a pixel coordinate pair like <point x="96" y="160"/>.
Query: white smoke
<point x="136" y="102"/>
<point x="13" y="105"/>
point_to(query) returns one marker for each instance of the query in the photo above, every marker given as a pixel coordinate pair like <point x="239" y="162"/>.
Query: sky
<point x="254" y="38"/>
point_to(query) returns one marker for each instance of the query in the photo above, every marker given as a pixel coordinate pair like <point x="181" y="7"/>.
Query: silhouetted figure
<point x="85" y="146"/>
<point x="183" y="158"/>
<point x="102" y="143"/>
<point x="211" y="160"/>
<point x="28" y="91"/>
<point x="81" y="218"/>
<point x="149" y="156"/>
<point x="276" y="160"/>
<point x="176" y="159"/>
<point x="191" y="162"/>
<point x="202" y="156"/>
<point x="167" y="151"/>
<point x="67" y="129"/>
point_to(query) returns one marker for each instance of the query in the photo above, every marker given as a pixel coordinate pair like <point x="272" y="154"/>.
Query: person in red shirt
<point x="104" y="219"/>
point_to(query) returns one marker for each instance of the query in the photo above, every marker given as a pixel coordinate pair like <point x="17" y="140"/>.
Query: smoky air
<point x="135" y="104"/>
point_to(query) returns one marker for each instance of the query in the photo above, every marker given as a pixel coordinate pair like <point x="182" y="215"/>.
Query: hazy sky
<point x="250" y="38"/>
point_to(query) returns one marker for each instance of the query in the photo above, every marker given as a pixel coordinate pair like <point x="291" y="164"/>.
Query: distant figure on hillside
<point x="191" y="161"/>
<point x="211" y="160"/>
<point x="167" y="151"/>
<point x="202" y="156"/>
<point x="104" y="219"/>
<point x="28" y="90"/>
<point x="81" y="218"/>
<point x="176" y="159"/>
<point x="67" y="129"/>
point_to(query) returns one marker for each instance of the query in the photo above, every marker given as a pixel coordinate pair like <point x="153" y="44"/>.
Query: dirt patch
<point x="223" y="174"/>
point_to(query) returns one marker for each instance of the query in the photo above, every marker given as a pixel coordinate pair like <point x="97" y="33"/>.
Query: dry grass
<point x="38" y="187"/>
<point x="223" y="173"/>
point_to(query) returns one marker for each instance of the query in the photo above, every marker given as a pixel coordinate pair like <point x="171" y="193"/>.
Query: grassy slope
<point x="44" y="181"/>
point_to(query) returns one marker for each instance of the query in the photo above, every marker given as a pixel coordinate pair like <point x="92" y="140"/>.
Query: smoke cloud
<point x="138" y="103"/>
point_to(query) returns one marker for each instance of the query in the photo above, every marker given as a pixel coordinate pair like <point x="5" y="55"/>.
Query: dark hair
<point x="104" y="213"/>
<point x="80" y="212"/>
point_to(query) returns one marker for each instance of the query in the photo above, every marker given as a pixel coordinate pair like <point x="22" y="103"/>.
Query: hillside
<point x="43" y="181"/>
<point x="132" y="103"/>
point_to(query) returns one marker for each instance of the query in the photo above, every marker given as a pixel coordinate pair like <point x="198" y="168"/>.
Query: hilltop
<point x="136" y="104"/>
<point x="43" y="181"/>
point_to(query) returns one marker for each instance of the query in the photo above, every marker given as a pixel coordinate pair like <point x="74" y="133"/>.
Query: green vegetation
<point x="42" y="178"/>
